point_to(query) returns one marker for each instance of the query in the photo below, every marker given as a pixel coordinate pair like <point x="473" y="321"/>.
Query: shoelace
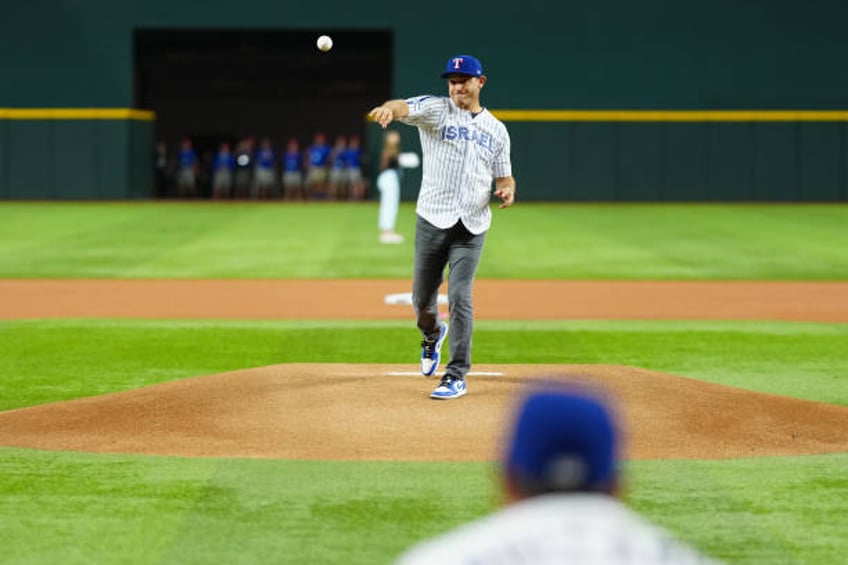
<point x="447" y="381"/>
<point x="429" y="348"/>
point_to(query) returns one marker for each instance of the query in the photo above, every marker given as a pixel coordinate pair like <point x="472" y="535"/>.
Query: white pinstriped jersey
<point x="555" y="529"/>
<point x="463" y="153"/>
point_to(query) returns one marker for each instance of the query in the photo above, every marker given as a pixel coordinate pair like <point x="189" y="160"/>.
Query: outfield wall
<point x="578" y="55"/>
<point x="739" y="156"/>
<point x="76" y="154"/>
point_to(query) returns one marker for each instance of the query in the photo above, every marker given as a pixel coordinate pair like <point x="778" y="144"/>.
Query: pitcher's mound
<point x="382" y="412"/>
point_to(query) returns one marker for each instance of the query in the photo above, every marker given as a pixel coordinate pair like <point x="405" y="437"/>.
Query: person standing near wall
<point x="222" y="172"/>
<point x="465" y="148"/>
<point x="388" y="183"/>
<point x="338" y="169"/>
<point x="188" y="168"/>
<point x="353" y="180"/>
<point x="292" y="171"/>
<point x="162" y="168"/>
<point x="263" y="173"/>
<point x="242" y="178"/>
<point x="317" y="163"/>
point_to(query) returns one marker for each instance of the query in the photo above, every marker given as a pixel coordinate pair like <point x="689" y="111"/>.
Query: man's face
<point x="465" y="90"/>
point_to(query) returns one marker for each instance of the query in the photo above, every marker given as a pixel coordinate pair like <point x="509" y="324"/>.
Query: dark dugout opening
<point x="217" y="85"/>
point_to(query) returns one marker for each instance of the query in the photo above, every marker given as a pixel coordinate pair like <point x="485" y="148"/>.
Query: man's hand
<point x="505" y="190"/>
<point x="388" y="111"/>
<point x="383" y="115"/>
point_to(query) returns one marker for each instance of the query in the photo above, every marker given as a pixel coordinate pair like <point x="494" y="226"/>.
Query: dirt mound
<point x="382" y="412"/>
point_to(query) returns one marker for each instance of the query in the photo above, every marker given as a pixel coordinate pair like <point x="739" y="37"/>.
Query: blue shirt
<point x="318" y="155"/>
<point x="340" y="159"/>
<point x="353" y="157"/>
<point x="224" y="161"/>
<point x="292" y="161"/>
<point x="265" y="158"/>
<point x="187" y="158"/>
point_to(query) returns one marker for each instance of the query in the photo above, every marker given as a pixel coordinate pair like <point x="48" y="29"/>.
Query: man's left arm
<point x="389" y="111"/>
<point x="505" y="190"/>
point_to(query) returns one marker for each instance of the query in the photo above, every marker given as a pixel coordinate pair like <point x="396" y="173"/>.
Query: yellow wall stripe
<point x="505" y="115"/>
<point x="671" y="115"/>
<point x="76" y="114"/>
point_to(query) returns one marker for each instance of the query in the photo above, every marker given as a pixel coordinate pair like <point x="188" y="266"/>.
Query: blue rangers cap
<point x="564" y="440"/>
<point x="463" y="65"/>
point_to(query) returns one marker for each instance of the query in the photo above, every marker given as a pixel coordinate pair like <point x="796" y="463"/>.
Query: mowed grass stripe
<point x="338" y="240"/>
<point x="87" y="508"/>
<point x="50" y="360"/>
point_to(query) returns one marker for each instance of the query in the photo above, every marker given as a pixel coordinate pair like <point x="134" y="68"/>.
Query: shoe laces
<point x="448" y="381"/>
<point x="429" y="348"/>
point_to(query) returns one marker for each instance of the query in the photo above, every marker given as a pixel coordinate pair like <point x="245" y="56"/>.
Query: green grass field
<point x="88" y="508"/>
<point x="530" y="241"/>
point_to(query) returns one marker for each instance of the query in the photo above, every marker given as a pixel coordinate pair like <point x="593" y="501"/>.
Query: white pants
<point x="389" y="185"/>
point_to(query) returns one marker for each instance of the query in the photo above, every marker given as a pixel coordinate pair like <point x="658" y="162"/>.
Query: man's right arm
<point x="388" y="111"/>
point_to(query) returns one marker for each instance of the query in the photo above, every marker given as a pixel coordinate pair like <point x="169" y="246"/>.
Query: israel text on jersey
<point x="484" y="140"/>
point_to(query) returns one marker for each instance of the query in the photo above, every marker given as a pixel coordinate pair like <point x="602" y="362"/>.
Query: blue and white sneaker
<point x="430" y="352"/>
<point x="450" y="387"/>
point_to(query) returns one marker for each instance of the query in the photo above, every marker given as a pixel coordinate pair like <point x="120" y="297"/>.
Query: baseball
<point x="324" y="43"/>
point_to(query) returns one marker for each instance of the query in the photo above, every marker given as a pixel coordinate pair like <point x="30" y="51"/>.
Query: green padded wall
<point x="577" y="54"/>
<point x="30" y="172"/>
<point x="661" y="54"/>
<point x="75" y="159"/>
<point x="4" y="160"/>
<point x="680" y="161"/>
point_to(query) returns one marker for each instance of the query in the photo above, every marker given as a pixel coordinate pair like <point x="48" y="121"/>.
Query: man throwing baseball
<point x="465" y="149"/>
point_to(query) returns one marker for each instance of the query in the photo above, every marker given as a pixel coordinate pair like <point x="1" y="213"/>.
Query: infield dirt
<point x="382" y="412"/>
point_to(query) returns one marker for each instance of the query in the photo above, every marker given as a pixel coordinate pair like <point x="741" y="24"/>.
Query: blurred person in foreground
<point x="560" y="477"/>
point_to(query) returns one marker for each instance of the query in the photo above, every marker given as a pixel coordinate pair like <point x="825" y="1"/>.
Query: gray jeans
<point x="460" y="250"/>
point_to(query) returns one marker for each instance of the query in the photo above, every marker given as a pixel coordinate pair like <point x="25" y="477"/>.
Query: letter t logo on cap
<point x="457" y="62"/>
